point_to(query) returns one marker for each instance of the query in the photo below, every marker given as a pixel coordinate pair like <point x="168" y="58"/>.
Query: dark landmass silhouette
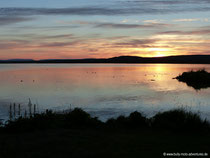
<point x="188" y="59"/>
<point x="76" y="134"/>
<point x="174" y="120"/>
<point x="196" y="79"/>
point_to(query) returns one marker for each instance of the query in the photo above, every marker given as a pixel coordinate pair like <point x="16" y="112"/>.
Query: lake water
<point x="104" y="90"/>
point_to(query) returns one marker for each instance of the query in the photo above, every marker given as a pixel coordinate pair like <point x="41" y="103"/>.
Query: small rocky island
<point x="196" y="79"/>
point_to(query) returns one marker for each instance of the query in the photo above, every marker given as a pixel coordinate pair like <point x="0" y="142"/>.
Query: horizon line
<point x="102" y="58"/>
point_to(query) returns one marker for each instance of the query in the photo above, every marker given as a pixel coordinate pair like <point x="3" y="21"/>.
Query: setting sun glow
<point x="159" y="52"/>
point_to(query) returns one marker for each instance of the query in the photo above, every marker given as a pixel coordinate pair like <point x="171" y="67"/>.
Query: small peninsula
<point x="196" y="79"/>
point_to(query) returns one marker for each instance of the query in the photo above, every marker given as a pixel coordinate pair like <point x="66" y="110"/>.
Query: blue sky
<point x="94" y="29"/>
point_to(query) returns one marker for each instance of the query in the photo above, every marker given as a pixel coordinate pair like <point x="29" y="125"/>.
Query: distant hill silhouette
<point x="188" y="59"/>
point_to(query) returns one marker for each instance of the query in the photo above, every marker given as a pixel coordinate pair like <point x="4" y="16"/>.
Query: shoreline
<point x="175" y="120"/>
<point x="79" y="135"/>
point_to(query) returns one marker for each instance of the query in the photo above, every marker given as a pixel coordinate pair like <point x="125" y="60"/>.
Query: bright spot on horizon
<point x="159" y="52"/>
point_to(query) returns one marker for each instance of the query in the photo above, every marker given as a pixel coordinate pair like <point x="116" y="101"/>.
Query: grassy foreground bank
<point x="77" y="134"/>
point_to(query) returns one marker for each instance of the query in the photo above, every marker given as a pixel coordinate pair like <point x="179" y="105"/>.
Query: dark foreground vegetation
<point x="196" y="79"/>
<point x="77" y="134"/>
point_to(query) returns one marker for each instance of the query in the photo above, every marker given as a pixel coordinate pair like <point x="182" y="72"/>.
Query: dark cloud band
<point x="109" y="11"/>
<point x="6" y="20"/>
<point x="194" y="32"/>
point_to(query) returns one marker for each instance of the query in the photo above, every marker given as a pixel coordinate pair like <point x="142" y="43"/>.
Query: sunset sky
<point x="49" y="29"/>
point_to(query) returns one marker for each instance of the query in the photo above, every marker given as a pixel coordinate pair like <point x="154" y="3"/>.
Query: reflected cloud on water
<point x="103" y="89"/>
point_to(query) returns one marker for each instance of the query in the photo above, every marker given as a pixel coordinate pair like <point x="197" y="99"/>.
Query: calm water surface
<point x="104" y="90"/>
